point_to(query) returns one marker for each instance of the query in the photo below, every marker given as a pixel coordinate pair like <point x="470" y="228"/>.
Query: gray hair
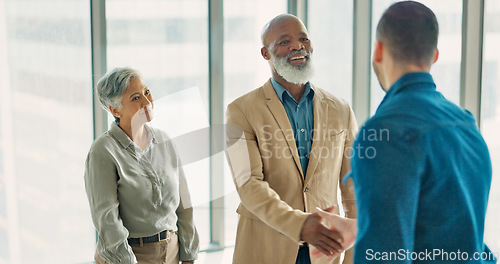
<point x="112" y="85"/>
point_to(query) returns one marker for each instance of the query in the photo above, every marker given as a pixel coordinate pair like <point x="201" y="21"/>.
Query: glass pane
<point x="244" y="70"/>
<point x="490" y="116"/>
<point x="446" y="71"/>
<point x="167" y="41"/>
<point x="45" y="131"/>
<point x="330" y="28"/>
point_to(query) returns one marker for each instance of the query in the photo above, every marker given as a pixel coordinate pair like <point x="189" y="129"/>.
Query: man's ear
<point x="436" y="56"/>
<point x="377" y="53"/>
<point x="115" y="112"/>
<point x="265" y="53"/>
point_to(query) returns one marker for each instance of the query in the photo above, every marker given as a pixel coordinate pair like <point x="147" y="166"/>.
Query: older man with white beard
<point x="289" y="145"/>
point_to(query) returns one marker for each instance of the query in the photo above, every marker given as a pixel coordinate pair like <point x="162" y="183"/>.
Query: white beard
<point x="299" y="74"/>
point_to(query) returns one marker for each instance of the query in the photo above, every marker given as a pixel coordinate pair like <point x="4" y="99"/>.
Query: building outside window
<point x="45" y="131"/>
<point x="490" y="116"/>
<point x="446" y="71"/>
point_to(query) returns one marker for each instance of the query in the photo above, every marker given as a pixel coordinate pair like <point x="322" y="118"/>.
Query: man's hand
<point x="326" y="241"/>
<point x="346" y="227"/>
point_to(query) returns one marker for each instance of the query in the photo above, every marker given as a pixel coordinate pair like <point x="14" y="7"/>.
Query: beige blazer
<point x="276" y="198"/>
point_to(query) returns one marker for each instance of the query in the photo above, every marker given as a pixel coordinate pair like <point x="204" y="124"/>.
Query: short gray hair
<point x="112" y="85"/>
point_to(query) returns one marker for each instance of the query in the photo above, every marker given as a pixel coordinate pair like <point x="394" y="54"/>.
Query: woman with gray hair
<point x="135" y="184"/>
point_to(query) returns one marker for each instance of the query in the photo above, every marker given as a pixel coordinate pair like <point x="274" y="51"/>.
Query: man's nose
<point x="297" y="45"/>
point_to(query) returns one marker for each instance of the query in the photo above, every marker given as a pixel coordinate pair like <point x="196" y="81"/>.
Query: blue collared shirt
<point x="422" y="175"/>
<point x="301" y="117"/>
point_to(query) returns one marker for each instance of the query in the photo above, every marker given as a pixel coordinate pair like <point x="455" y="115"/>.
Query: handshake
<point x="331" y="240"/>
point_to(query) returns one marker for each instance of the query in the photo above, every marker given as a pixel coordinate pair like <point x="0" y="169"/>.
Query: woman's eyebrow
<point x="133" y="95"/>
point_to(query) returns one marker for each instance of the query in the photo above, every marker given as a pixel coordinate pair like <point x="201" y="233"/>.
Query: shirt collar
<point x="407" y="81"/>
<point x="410" y="79"/>
<point x="281" y="91"/>
<point x="120" y="135"/>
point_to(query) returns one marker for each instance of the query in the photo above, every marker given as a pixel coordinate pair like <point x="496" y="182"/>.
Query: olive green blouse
<point x="137" y="193"/>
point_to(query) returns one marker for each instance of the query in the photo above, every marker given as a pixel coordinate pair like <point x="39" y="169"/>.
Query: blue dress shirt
<point x="301" y="119"/>
<point x="422" y="175"/>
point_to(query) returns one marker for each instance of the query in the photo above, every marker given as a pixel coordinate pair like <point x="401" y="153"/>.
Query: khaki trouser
<point x="162" y="252"/>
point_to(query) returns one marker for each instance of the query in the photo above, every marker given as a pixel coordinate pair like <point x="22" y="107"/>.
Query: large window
<point x="45" y="131"/>
<point x="330" y="28"/>
<point x="244" y="70"/>
<point x="490" y="116"/>
<point x="167" y="41"/>
<point x="446" y="71"/>
<point x="244" y="67"/>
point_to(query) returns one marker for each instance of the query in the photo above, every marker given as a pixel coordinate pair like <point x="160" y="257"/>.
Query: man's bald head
<point x="275" y="23"/>
<point x="287" y="47"/>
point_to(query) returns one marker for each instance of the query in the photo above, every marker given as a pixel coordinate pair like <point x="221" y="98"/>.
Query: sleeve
<point x="347" y="188"/>
<point x="386" y="174"/>
<point x="245" y="161"/>
<point x="101" y="186"/>
<point x="187" y="234"/>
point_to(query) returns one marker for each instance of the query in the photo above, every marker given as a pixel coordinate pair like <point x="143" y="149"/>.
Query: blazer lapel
<point x="276" y="107"/>
<point x="320" y="109"/>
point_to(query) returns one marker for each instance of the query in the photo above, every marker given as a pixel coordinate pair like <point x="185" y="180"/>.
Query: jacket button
<point x="306" y="189"/>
